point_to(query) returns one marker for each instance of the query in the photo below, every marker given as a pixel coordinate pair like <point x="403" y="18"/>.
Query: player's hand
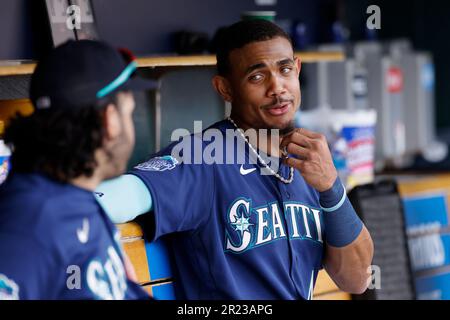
<point x="314" y="157"/>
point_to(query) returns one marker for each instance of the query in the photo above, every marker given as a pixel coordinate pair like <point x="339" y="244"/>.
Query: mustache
<point x="277" y="101"/>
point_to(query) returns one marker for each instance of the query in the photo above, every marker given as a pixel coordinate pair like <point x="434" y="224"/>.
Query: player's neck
<point x="99" y="174"/>
<point x="88" y="183"/>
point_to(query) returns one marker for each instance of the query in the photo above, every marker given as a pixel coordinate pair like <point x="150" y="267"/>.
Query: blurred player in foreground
<point x="56" y="242"/>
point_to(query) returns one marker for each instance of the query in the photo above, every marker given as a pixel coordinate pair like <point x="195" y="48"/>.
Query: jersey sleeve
<point x="181" y="191"/>
<point x="124" y="198"/>
<point x="26" y="270"/>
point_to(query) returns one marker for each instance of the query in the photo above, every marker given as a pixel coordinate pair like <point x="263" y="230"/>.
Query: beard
<point x="287" y="128"/>
<point x="118" y="154"/>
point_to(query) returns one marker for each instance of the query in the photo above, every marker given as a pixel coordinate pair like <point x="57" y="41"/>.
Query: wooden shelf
<point x="210" y="60"/>
<point x="22" y="69"/>
<point x="178" y="61"/>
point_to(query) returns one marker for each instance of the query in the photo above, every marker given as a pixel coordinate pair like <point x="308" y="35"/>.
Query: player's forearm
<point x="124" y="198"/>
<point x="349" y="266"/>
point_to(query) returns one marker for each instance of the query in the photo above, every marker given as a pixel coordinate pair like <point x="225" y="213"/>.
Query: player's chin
<point x="283" y="122"/>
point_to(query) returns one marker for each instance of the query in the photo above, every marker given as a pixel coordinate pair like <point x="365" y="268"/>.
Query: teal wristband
<point x="342" y="224"/>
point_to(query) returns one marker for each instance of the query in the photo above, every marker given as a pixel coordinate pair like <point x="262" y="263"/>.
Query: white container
<point x="351" y="138"/>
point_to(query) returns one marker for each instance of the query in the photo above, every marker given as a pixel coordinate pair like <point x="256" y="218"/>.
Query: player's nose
<point x="276" y="86"/>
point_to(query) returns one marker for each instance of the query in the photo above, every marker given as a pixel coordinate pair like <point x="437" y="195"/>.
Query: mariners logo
<point x="158" y="164"/>
<point x="9" y="290"/>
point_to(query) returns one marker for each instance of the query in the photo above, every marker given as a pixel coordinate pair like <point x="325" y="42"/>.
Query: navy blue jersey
<point x="57" y="243"/>
<point x="236" y="234"/>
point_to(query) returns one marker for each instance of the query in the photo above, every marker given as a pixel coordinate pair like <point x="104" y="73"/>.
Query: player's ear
<point x="111" y="121"/>
<point x="298" y="64"/>
<point x="223" y="87"/>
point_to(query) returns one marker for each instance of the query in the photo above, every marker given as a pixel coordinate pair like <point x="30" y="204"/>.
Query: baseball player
<point x="250" y="230"/>
<point x="56" y="242"/>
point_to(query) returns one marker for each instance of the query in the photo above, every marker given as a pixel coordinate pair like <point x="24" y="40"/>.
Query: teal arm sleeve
<point x="124" y="198"/>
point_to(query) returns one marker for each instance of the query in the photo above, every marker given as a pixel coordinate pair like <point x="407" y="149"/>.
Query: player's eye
<point x="255" y="77"/>
<point x="286" y="70"/>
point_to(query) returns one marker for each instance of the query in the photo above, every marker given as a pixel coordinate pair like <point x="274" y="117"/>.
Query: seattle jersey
<point x="57" y="243"/>
<point x="235" y="233"/>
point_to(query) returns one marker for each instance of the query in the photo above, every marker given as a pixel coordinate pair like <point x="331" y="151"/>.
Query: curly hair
<point x="58" y="143"/>
<point x="240" y="34"/>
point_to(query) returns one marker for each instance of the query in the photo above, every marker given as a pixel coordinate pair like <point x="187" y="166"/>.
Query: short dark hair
<point x="59" y="143"/>
<point x="240" y="34"/>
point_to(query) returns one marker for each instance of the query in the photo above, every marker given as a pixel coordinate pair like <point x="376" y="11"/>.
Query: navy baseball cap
<point x="81" y="73"/>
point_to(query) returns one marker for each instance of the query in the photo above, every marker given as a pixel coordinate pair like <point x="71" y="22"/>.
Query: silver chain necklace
<point x="260" y="159"/>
